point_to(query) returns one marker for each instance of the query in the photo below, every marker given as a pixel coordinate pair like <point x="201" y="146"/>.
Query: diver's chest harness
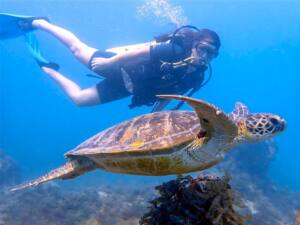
<point x="156" y="76"/>
<point x="144" y="80"/>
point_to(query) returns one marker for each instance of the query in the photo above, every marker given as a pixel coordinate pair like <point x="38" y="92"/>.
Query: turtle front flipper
<point x="240" y="111"/>
<point x="213" y="121"/>
<point x="69" y="170"/>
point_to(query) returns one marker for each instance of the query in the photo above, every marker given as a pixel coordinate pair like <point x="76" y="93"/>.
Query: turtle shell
<point x="155" y="133"/>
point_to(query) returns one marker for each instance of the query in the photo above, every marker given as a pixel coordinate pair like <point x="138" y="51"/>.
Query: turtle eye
<point x="205" y="120"/>
<point x="274" y="121"/>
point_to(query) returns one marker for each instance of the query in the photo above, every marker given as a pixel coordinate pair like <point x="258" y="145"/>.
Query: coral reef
<point x="201" y="201"/>
<point x="9" y="171"/>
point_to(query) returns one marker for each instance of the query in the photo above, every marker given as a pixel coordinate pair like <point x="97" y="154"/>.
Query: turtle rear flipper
<point x="69" y="170"/>
<point x="214" y="121"/>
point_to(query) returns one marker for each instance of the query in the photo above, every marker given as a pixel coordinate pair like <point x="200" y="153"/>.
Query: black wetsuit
<point x="147" y="78"/>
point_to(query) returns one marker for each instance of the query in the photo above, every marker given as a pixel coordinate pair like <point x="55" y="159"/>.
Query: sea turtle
<point x="170" y="142"/>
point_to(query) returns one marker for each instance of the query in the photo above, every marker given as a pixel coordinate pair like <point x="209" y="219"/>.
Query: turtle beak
<point x="283" y="125"/>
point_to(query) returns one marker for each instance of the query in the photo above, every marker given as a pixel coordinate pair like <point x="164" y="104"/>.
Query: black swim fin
<point x="34" y="49"/>
<point x="12" y="26"/>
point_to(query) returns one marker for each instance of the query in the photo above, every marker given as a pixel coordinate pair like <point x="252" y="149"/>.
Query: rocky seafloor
<point x="51" y="204"/>
<point x="10" y="173"/>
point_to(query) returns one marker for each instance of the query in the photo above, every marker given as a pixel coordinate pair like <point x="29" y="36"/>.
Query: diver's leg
<point x="81" y="97"/>
<point x="79" y="49"/>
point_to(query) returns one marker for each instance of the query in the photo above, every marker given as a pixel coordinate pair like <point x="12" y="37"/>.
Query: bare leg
<point x="79" y="49"/>
<point x="81" y="97"/>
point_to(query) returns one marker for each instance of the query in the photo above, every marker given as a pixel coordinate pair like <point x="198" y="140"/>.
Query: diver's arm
<point x="126" y="48"/>
<point x="140" y="52"/>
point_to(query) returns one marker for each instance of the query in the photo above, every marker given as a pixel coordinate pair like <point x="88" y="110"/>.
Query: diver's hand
<point x="99" y="64"/>
<point x="185" y="62"/>
<point x="192" y="60"/>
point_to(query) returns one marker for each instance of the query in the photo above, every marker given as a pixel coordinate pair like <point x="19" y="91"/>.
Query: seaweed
<point x="205" y="200"/>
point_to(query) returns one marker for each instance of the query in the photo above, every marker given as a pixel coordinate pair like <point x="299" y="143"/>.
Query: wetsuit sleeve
<point x="165" y="52"/>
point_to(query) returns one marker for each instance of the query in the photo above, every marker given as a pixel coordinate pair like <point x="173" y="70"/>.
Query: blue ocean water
<point x="258" y="65"/>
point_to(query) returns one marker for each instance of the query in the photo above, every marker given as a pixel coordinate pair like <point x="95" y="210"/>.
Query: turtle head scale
<point x="261" y="126"/>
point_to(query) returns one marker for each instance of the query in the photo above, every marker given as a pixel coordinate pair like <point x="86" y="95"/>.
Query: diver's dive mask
<point x="205" y="52"/>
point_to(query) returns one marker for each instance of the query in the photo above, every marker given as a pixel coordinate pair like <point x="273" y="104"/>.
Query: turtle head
<point x="261" y="126"/>
<point x="255" y="126"/>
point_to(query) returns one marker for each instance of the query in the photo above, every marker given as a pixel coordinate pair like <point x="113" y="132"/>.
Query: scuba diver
<point x="174" y="63"/>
